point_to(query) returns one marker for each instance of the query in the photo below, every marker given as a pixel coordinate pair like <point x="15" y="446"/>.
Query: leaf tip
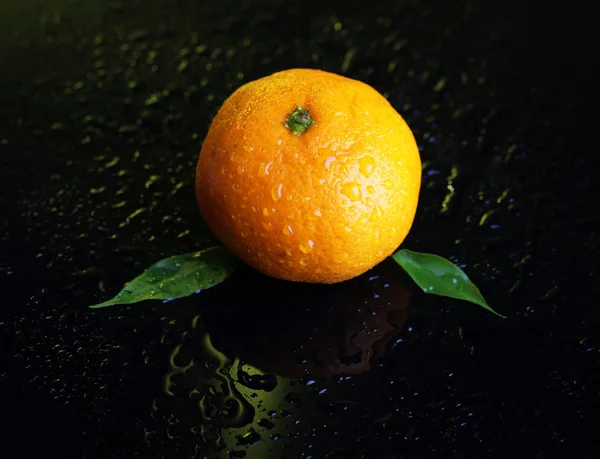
<point x="104" y="304"/>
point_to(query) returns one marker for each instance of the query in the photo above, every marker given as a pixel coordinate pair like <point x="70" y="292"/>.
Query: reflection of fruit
<point x="344" y="327"/>
<point x="309" y="176"/>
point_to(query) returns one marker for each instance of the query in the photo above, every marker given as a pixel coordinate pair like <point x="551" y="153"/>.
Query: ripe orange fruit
<point x="309" y="176"/>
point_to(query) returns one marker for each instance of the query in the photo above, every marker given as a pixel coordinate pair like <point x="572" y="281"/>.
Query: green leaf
<point x="177" y="276"/>
<point x="438" y="276"/>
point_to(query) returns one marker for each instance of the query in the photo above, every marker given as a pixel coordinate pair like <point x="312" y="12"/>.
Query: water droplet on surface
<point x="267" y="168"/>
<point x="288" y="231"/>
<point x="318" y="213"/>
<point x="328" y="162"/>
<point x="376" y="214"/>
<point x="307" y="248"/>
<point x="367" y="165"/>
<point x="388" y="185"/>
<point x="352" y="191"/>
<point x="276" y="192"/>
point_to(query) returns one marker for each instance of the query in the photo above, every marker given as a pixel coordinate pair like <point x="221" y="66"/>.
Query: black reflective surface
<point x="103" y="108"/>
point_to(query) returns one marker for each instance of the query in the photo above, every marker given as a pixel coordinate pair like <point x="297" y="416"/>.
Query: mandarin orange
<point x="309" y="176"/>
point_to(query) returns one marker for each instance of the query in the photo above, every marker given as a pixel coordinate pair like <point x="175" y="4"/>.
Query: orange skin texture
<point x="323" y="206"/>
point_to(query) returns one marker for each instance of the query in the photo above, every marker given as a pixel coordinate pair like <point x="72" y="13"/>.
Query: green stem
<point x="299" y="120"/>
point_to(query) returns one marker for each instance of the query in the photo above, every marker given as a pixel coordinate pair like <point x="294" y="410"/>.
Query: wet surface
<point x="103" y="109"/>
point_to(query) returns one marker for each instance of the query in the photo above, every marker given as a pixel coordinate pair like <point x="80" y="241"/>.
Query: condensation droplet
<point x="307" y="248"/>
<point x="387" y="184"/>
<point x="352" y="191"/>
<point x="366" y="165"/>
<point x="268" y="226"/>
<point x="288" y="231"/>
<point x="328" y="162"/>
<point x="318" y="213"/>
<point x="288" y="252"/>
<point x="376" y="214"/>
<point x="303" y="261"/>
<point x="276" y="192"/>
<point x="267" y="168"/>
<point x="265" y="212"/>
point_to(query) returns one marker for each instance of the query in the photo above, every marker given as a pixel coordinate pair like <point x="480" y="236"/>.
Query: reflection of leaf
<point x="178" y="276"/>
<point x="439" y="276"/>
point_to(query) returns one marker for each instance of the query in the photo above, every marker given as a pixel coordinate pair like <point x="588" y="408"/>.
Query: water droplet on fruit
<point x="288" y="252"/>
<point x="268" y="226"/>
<point x="307" y="248"/>
<point x="267" y="168"/>
<point x="288" y="231"/>
<point x="352" y="191"/>
<point x="367" y="165"/>
<point x="318" y="213"/>
<point x="388" y="185"/>
<point x="276" y="192"/>
<point x="328" y="162"/>
<point x="376" y="215"/>
<point x="265" y="212"/>
<point x="303" y="261"/>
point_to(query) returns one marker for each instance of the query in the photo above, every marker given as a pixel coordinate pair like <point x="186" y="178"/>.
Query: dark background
<point x="103" y="108"/>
